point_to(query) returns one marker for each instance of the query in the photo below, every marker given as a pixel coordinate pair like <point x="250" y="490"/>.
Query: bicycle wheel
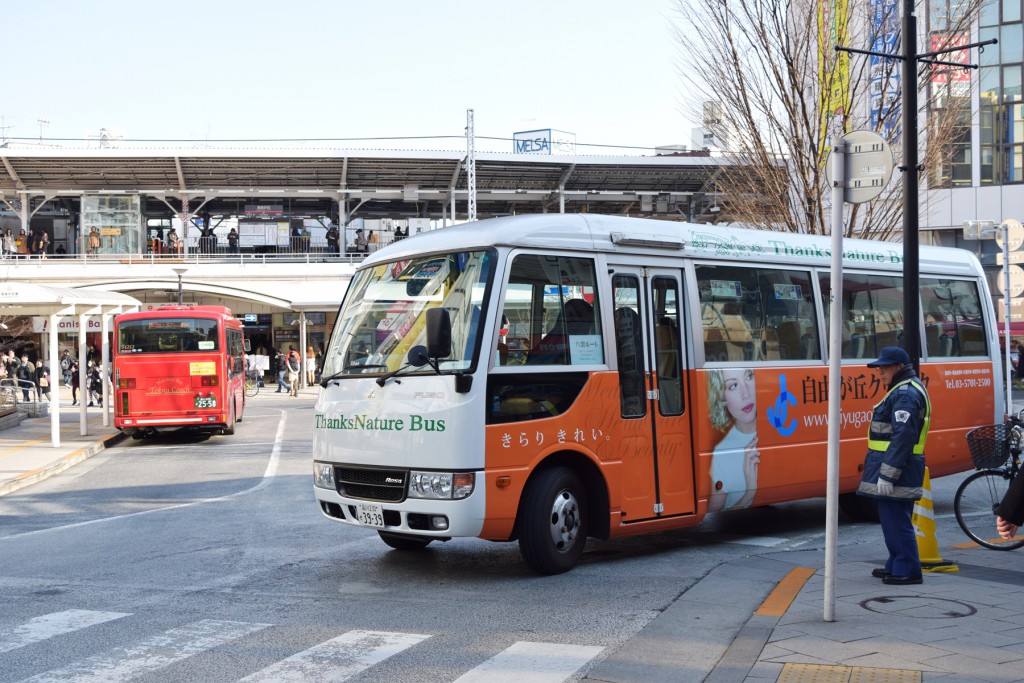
<point x="252" y="387"/>
<point x="975" y="507"/>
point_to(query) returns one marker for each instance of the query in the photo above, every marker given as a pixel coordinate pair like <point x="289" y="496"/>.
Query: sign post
<point x="861" y="166"/>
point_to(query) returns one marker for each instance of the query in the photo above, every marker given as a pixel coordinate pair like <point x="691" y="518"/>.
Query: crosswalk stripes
<point x="150" y="655"/>
<point x="526" y="662"/>
<point x="49" y="625"/>
<point x="337" y="659"/>
<point x="332" y="661"/>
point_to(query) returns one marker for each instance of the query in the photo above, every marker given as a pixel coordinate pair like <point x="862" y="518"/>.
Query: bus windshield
<point x="167" y="335"/>
<point x="384" y="314"/>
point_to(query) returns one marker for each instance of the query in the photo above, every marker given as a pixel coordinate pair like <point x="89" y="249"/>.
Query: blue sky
<point x="602" y="69"/>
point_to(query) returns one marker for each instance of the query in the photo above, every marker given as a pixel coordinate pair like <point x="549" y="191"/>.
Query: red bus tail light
<point x="126" y="383"/>
<point x="210" y="381"/>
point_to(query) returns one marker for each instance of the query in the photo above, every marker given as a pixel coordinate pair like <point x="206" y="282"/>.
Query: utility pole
<point x="470" y="166"/>
<point x="911" y="218"/>
<point x="42" y="122"/>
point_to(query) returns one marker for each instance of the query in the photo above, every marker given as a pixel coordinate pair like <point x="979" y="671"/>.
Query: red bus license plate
<point x="206" y="402"/>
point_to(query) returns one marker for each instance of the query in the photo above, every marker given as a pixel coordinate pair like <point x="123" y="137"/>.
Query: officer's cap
<point x="891" y="355"/>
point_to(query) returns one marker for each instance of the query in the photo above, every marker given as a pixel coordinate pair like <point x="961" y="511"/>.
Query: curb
<point x="73" y="458"/>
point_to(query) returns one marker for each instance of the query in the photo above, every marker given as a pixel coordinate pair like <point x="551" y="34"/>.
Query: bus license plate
<point x="206" y="402"/>
<point x="370" y="515"/>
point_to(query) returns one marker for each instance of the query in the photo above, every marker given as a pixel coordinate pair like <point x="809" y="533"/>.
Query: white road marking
<point x="527" y="662"/>
<point x="268" y="476"/>
<point x="150" y="655"/>
<point x="338" y="659"/>
<point x="49" y="625"/>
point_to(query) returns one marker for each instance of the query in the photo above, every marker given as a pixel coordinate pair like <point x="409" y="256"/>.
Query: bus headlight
<point x="323" y="475"/>
<point x="441" y="485"/>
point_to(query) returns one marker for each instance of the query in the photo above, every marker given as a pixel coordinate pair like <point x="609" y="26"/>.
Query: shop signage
<point x="41" y="323"/>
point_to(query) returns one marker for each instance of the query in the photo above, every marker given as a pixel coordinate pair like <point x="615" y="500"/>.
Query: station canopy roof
<point x="27" y="298"/>
<point x="376" y="183"/>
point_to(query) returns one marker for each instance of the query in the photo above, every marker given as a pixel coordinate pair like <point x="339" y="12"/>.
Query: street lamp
<point x="180" y="272"/>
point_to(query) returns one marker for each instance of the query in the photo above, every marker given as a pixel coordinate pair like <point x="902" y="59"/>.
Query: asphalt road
<point x="177" y="559"/>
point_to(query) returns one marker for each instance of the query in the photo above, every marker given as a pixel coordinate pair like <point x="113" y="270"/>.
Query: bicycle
<point x="996" y="451"/>
<point x="252" y="383"/>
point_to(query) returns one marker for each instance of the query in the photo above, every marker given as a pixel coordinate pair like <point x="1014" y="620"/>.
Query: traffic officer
<point x="894" y="466"/>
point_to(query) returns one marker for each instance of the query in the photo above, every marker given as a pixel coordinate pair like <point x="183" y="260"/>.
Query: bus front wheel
<point x="403" y="541"/>
<point x="553" y="521"/>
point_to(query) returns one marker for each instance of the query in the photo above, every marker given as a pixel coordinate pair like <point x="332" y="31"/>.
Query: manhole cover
<point x="919" y="607"/>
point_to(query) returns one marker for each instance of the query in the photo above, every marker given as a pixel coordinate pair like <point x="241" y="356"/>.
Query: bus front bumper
<point x="415" y="516"/>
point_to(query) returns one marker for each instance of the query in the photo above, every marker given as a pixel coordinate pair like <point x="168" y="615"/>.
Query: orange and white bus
<point x="178" y="368"/>
<point x="548" y="378"/>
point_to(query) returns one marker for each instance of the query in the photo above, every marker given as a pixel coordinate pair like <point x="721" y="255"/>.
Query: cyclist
<point x="1010" y="513"/>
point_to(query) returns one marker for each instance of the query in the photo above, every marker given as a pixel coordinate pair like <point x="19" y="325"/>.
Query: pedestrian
<point x="95" y="386"/>
<point x="398" y="233"/>
<point x="1020" y="361"/>
<point x="361" y="243"/>
<point x="43" y="380"/>
<point x="174" y="242"/>
<point x="26" y="376"/>
<point x="372" y="241"/>
<point x="310" y="366"/>
<point x="279" y="362"/>
<point x="233" y="241"/>
<point x="94" y="241"/>
<point x="65" y="366"/>
<point x="293" y="364"/>
<point x="332" y="240"/>
<point x="894" y="465"/>
<point x="74" y="383"/>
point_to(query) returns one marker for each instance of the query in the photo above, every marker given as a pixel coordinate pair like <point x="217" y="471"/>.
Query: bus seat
<point x="789" y="340"/>
<point x="575" y="318"/>
<point x="946" y="345"/>
<point x="770" y="344"/>
<point x="932" y="332"/>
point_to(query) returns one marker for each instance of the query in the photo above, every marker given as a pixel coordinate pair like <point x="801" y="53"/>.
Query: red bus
<point x="178" y="368"/>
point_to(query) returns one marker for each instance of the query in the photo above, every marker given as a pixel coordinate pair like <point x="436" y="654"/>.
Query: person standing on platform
<point x="332" y="241"/>
<point x="233" y="241"/>
<point x="894" y="466"/>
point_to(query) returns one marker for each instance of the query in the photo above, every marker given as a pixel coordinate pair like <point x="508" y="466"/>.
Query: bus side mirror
<point x="439" y="333"/>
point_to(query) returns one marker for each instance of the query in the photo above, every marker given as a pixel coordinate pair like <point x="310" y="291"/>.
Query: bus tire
<point x="860" y="508"/>
<point x="553" y="521"/>
<point x="403" y="541"/>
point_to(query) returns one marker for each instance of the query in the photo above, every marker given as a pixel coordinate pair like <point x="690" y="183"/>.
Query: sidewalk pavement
<point x="755" y="619"/>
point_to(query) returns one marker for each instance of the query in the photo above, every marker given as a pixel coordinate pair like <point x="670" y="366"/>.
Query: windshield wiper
<point x="347" y="372"/>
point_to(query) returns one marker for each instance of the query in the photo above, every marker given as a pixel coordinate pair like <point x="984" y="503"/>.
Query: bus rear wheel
<point x="403" y="541"/>
<point x="553" y="521"/>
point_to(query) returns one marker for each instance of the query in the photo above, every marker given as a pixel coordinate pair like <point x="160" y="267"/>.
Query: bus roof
<point x="619" y="234"/>
<point x="171" y="310"/>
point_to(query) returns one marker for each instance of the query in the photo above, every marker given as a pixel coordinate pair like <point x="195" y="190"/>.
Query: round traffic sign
<point x="1016" y="280"/>
<point x="1015" y="232"/>
<point x="867" y="168"/>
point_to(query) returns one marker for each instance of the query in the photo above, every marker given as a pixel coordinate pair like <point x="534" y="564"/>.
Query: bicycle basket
<point x="989" y="446"/>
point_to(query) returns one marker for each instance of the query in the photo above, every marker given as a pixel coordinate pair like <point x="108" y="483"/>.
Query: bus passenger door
<point x="657" y="454"/>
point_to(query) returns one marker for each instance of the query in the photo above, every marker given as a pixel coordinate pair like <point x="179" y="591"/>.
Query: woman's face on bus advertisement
<point x="741" y="398"/>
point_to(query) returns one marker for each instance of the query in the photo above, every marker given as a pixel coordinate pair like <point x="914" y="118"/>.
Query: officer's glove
<point x="884" y="487"/>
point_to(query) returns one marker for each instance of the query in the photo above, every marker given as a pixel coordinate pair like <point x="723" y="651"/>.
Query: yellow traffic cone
<point x="924" y="529"/>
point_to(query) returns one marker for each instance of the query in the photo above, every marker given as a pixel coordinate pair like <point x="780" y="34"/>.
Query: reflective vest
<point x="879" y="442"/>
